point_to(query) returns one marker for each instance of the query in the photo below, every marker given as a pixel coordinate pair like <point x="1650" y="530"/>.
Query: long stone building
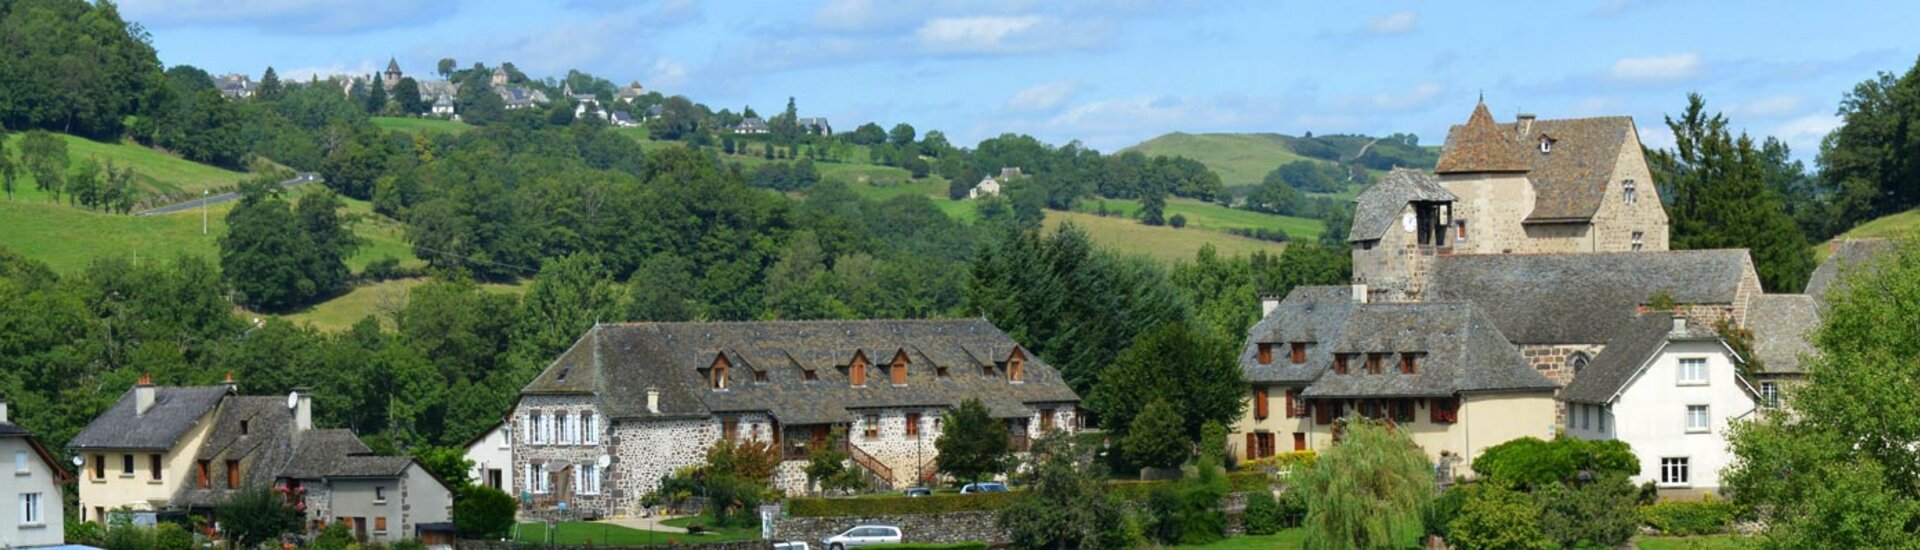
<point x="629" y="403"/>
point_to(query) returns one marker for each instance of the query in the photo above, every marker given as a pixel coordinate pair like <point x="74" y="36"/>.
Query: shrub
<point x="484" y="512"/>
<point x="408" y="544"/>
<point x="1263" y="514"/>
<point x="1239" y="482"/>
<point x="171" y="536"/>
<point x="1529" y="462"/>
<point x="1599" y="513"/>
<point x="1496" y="517"/>
<point x="1281" y="463"/>
<point x="1444" y="509"/>
<point x="1177" y="221"/>
<point x="936" y="504"/>
<point x="1293" y="507"/>
<point x="1201" y="519"/>
<point x="1163" y="515"/>
<point x="695" y="528"/>
<point x="1684" y="518"/>
<point x="387" y="267"/>
<point x="334" y="536"/>
<point x="85" y="533"/>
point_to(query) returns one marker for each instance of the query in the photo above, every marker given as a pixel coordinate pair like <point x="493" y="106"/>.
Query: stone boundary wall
<point x="466" y="544"/>
<point x="928" y="528"/>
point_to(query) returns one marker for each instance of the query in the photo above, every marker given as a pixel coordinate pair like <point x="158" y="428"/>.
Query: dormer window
<point x="812" y="376"/>
<point x="940" y="371"/>
<point x="760" y="377"/>
<point x="1546" y="144"/>
<point x="1409" y="363"/>
<point x="1340" y="363"/>
<point x="1266" y="353"/>
<point x="1373" y="363"/>
<point x="857" y="371"/>
<point x="244" y="425"/>
<point x="1014" y="367"/>
<point x="898" y="372"/>
<point x="1299" y="352"/>
<point x="717" y="376"/>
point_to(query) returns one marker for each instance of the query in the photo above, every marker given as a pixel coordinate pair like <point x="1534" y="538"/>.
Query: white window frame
<point x="1683" y="370"/>
<point x="30" y="510"/>
<point x="1461" y="230"/>
<point x="1705" y="416"/>
<point x="590" y="424"/>
<point x="528" y="474"/>
<point x="1639" y="240"/>
<point x="20" y="463"/>
<point x="592" y="485"/>
<point x="1769" y="394"/>
<point x="526" y="434"/>
<point x="1629" y="191"/>
<point x="1672" y="465"/>
<point x="553" y="427"/>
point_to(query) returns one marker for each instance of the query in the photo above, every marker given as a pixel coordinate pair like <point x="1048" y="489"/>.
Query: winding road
<point x="298" y="180"/>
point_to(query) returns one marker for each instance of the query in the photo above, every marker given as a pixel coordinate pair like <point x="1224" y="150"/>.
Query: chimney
<point x="1359" y="294"/>
<point x="302" y="410"/>
<point x="232" y="387"/>
<point x="1524" y="122"/>
<point x="1268" y="303"/>
<point x="3" y="411"/>
<point x="653" y="400"/>
<point x="143" y="395"/>
<point x="1679" y="326"/>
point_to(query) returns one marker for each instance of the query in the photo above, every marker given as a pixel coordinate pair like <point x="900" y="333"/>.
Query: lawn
<point x="581" y="533"/>
<point x="377" y="299"/>
<point x="1289" y="538"/>
<point x="1162" y="243"/>
<point x="157" y="173"/>
<point x="1904" y="224"/>
<point x="1239" y="159"/>
<point x="1211" y="216"/>
<point x="1712" y="542"/>
<point x="416" y="125"/>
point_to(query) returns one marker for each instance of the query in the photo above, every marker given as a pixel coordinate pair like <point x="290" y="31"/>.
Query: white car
<point x="988" y="487"/>
<point x="795" y="545"/>
<point x="863" y="535"/>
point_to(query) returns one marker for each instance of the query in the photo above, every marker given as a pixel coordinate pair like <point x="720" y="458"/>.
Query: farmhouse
<point x="629" y="403"/>
<point x="30" y="497"/>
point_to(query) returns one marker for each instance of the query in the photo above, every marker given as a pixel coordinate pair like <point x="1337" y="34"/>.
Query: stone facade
<point x="1394" y="268"/>
<point x="944" y="528"/>
<point x="558" y="461"/>
<point x="1557" y="361"/>
<point x="646" y="451"/>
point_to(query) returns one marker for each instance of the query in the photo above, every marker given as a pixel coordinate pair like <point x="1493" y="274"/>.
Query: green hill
<point x="159" y="174"/>
<point x="416" y="125"/>
<point x="1904" y="224"/>
<point x="1239" y="159"/>
<point x="1161" y="243"/>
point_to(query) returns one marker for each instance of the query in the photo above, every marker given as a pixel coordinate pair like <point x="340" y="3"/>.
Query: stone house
<point x="815" y="125"/>
<point x="1669" y="388"/>
<point x="629" y="403"/>
<point x="31" y="511"/>
<point x="629" y="92"/>
<point x="751" y="125"/>
<point x="381" y="499"/>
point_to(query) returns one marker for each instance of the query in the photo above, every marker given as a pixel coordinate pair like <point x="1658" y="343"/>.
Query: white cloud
<point x="302" y="74"/>
<point x="1767" y="106"/>
<point x="1419" y="96"/>
<point x="1043" y="97"/>
<point x="1658" y="68"/>
<point x="1399" y="22"/>
<point x="1804" y="133"/>
<point x="290" y="16"/>
<point x="987" y="33"/>
<point x="666" y="73"/>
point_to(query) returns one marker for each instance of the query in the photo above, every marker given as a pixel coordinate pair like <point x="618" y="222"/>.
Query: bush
<point x="1293" y="508"/>
<point x="1529" y="462"/>
<point x="1275" y="235"/>
<point x="936" y="504"/>
<point x="171" y="536"/>
<point x="1444" y="509"/>
<point x="1240" y="482"/>
<point x="85" y="532"/>
<point x="1201" y="519"/>
<point x="408" y="544"/>
<point x="484" y="513"/>
<point x="1177" y="221"/>
<point x="1600" y="513"/>
<point x="1685" y="518"/>
<point x="695" y="528"/>
<point x="1163" y="515"/>
<point x="1263" y="514"/>
<point x="929" y="546"/>
<point x="1496" y="517"/>
<point x="1281" y="463"/>
<point x="335" y="536"/>
<point x="387" y="267"/>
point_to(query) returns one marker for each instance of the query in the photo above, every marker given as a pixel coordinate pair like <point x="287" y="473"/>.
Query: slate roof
<point x="1308" y="314"/>
<point x="1463" y="352"/>
<point x="1625" y="353"/>
<point x="1569" y="183"/>
<point x="1479" y="146"/>
<point x="393" y="65"/>
<point x="1378" y="208"/>
<point x="9" y="430"/>
<point x="175" y="410"/>
<point x="1582" y="298"/>
<point x="1782" y="326"/>
<point x="263" y="448"/>
<point x="617" y="363"/>
<point x="323" y="454"/>
<point x="1846" y="255"/>
<point x="751" y="124"/>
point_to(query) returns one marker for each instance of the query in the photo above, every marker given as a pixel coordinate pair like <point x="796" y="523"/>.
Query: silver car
<point x="863" y="535"/>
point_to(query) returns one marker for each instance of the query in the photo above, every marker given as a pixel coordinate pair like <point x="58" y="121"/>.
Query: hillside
<point x="1162" y="243"/>
<point x="1239" y="159"/>
<point x="157" y="173"/>
<point x="417" y="125"/>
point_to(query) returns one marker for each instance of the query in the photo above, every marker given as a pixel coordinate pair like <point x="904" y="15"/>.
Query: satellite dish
<point x="293" y="400"/>
<point x="604" y="461"/>
<point x="78" y="462"/>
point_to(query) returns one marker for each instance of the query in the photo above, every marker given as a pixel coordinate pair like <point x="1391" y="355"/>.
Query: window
<point x="1260" y="445"/>
<point x="1259" y="403"/>
<point x="1299" y="441"/>
<point x="1402" y="410"/>
<point x="30" y="509"/>
<point x="718" y="374"/>
<point x="1697" y="419"/>
<point x="812" y="376"/>
<point x="1444" y="411"/>
<point x="244" y="427"/>
<point x="1693" y="371"/>
<point x="1266" y="353"/>
<point x="590" y="479"/>
<point x="20" y="462"/>
<point x="1014" y="364"/>
<point x="1299" y="352"/>
<point x="1579" y="362"/>
<point x="759" y="377"/>
<point x="380" y="524"/>
<point x="1629" y="192"/>
<point x="1586" y="416"/>
<point x="233" y="474"/>
<point x="200" y="474"/>
<point x="1460" y="230"/>
<point x="1296" y="407"/>
<point x="898" y="372"/>
<point x="913" y="422"/>
<point x="1546" y="144"/>
<point x="593" y="429"/>
<point x="940" y="371"/>
<point x="126" y="465"/>
<point x="871" y="425"/>
<point x="553" y="428"/>
<point x="380" y="494"/>
<point x="527" y="473"/>
<point x="1371" y="409"/>
<point x="1770" y="394"/>
<point x="729" y="428"/>
<point x="1602" y="413"/>
<point x="568" y="426"/>
<point x="857" y="372"/>
<point x="99" y="466"/>
<point x="1373" y="363"/>
<point x="153" y="466"/>
<point x="1409" y="363"/>
<point x="1637" y="236"/>
<point x="524" y="433"/>
<point x="1340" y="363"/>
<point x="1673" y="471"/>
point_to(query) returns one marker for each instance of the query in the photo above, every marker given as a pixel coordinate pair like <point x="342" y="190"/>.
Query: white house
<point x="988" y="187"/>
<point x="1669" y="389"/>
<point x="492" y="456"/>
<point x="31" y="512"/>
<point x="443" y="107"/>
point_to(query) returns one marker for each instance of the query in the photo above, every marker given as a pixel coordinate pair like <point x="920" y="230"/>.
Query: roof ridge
<point x="1482" y="147"/>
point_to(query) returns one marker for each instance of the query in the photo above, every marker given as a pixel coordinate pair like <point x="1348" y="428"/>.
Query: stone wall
<point x="646" y="450"/>
<point x="554" y="458"/>
<point x="1616" y="221"/>
<point x="929" y="528"/>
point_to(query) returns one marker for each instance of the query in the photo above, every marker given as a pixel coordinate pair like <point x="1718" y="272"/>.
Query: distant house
<point x="988" y="187"/>
<point x="392" y="75"/>
<point x="492" y="458"/>
<point x="520" y="97"/>
<point x="654" y="112"/>
<point x="751" y="125"/>
<point x="443" y="106"/>
<point x="1669" y="389"/>
<point x="234" y="86"/>
<point x="629" y="92"/>
<point x="816" y="125"/>
<point x="623" y="120"/>
<point x="31" y="509"/>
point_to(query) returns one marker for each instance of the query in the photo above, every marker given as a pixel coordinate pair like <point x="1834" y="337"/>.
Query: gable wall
<point x="38" y="479"/>
<point x="138" y="491"/>
<point x="1650" y="414"/>
<point x="1615" y="221"/>
<point x="1493" y="205"/>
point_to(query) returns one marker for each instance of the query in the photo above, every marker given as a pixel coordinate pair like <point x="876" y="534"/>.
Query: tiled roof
<point x="1463" y="352"/>
<point x="322" y="454"/>
<point x="262" y="448"/>
<point x="1308" y="314"/>
<point x="1847" y="255"/>
<point x="1582" y="298"/>
<point x="1782" y="326"/>
<point x="175" y="410"/>
<point x="1624" y="354"/>
<point x="1378" y="208"/>
<point x="618" y="363"/>
<point x="1480" y="146"/>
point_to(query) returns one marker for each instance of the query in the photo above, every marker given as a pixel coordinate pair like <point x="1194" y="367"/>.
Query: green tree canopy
<point x="1066" y="504"/>
<point x="1367" y="490"/>
<point x="1721" y="198"/>
<point x="1193" y="372"/>
<point x="972" y="444"/>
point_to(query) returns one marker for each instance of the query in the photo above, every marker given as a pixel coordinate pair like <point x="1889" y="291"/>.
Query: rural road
<point x="302" y="178"/>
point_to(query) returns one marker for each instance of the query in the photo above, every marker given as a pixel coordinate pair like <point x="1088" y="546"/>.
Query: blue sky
<point x="1111" y="73"/>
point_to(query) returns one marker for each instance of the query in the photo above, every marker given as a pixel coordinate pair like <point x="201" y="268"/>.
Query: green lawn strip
<point x="581" y="533"/>
<point x="1710" y="542"/>
<point x="1214" y="217"/>
<point x="1161" y="243"/>
<point x="156" y="172"/>
<point x="1239" y="159"/>
<point x="711" y="534"/>
<point x="415" y="125"/>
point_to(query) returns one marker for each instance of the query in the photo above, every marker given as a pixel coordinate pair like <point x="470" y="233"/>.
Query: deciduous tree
<point x="972" y="445"/>
<point x="1366" y="491"/>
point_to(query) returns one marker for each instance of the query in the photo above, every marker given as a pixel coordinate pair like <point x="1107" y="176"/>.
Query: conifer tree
<point x="1721" y="200"/>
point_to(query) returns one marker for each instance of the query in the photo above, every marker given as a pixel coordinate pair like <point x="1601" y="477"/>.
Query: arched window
<point x="1546" y="144"/>
<point x="1579" y="362"/>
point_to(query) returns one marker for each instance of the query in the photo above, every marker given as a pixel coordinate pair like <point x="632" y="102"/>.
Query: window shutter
<point x="1259" y="403"/>
<point x="1266" y="353"/>
<point x="1253" y="446"/>
<point x="1290" y="411"/>
<point x="1322" y="414"/>
<point x="1299" y="352"/>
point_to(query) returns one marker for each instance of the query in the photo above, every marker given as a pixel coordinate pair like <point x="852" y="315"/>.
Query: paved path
<point x="647" y="524"/>
<point x="302" y="178"/>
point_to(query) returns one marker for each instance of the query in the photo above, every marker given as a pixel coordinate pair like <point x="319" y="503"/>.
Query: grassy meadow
<point x="1239" y="159"/>
<point x="1160" y="243"/>
<point x="413" y="125"/>
<point x="1213" y="217"/>
<point x="155" y="172"/>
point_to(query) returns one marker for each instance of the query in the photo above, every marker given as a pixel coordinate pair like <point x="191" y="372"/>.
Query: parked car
<point x="863" y="535"/>
<point x="989" y="487"/>
<point x="918" y="492"/>
<point x="792" y="545"/>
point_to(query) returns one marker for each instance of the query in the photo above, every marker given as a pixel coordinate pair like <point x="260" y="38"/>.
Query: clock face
<point x="1407" y="222"/>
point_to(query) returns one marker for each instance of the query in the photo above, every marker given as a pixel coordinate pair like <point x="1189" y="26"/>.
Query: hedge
<point x="902" y="505"/>
<point x="930" y="546"/>
<point x="1682" y="518"/>
<point x="1240" y="481"/>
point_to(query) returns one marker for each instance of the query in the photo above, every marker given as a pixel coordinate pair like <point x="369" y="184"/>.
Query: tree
<point x="901" y="135"/>
<point x="445" y="67"/>
<point x="331" y="242"/>
<point x="484" y="513"/>
<point x="1867" y="162"/>
<point x="827" y="469"/>
<point x="1838" y="472"/>
<point x="270" y="255"/>
<point x="1529" y="463"/>
<point x="960" y="186"/>
<point x="376" y="96"/>
<point x="1600" y="513"/>
<point x="256" y="515"/>
<point x="1196" y="374"/>
<point x="45" y="156"/>
<point x="1153" y="208"/>
<point x="663" y="289"/>
<point x="83" y="186"/>
<point x="868" y="134"/>
<point x="1495" y="517"/>
<point x="270" y="87"/>
<point x="1721" y="200"/>
<point x="1066" y="504"/>
<point x="1365" y="491"/>
<point x="9" y="168"/>
<point x="972" y="445"/>
<point x="448" y="463"/>
<point x="1154" y="438"/>
<point x="406" y="94"/>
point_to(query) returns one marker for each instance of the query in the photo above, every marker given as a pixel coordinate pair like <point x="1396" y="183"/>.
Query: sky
<point x="1112" y="73"/>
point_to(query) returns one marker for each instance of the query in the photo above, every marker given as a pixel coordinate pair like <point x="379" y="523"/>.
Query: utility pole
<point x="204" y="195"/>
